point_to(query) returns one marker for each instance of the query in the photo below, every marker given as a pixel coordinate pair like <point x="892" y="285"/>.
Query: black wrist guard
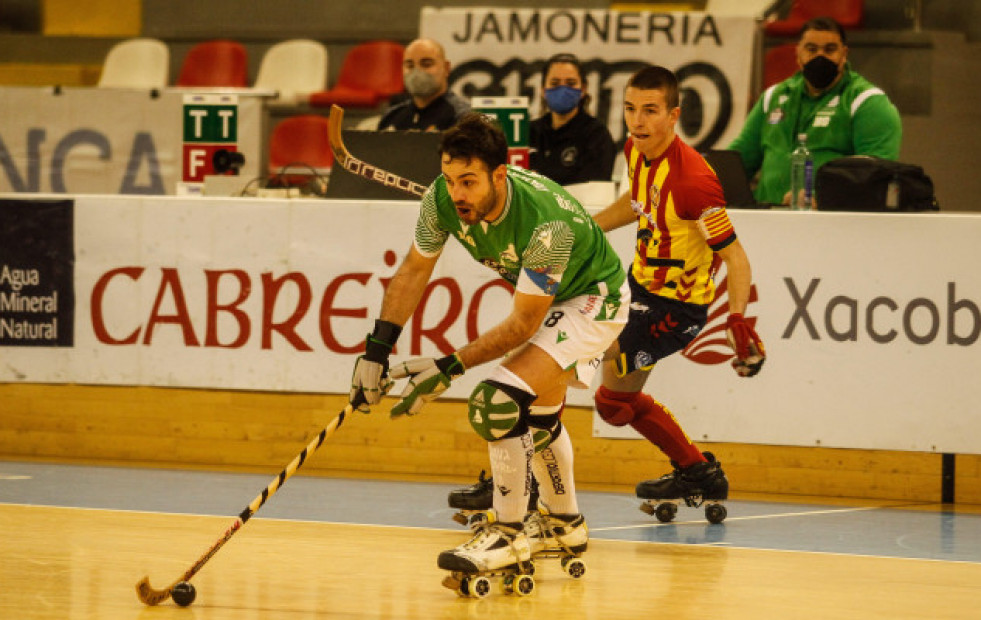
<point x="451" y="366"/>
<point x="379" y="343"/>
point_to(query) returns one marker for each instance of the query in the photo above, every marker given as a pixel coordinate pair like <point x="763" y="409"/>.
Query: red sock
<point x="655" y="422"/>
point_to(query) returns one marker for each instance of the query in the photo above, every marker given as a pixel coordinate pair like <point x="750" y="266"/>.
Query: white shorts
<point x="577" y="332"/>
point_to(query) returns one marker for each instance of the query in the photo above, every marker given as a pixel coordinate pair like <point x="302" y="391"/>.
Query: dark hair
<point x="475" y="136"/>
<point x="824" y="24"/>
<point x="561" y="58"/>
<point x="653" y="77"/>
<point x="567" y="59"/>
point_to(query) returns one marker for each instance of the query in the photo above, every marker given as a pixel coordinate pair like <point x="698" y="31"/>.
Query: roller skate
<point x="698" y="484"/>
<point x="473" y="502"/>
<point x="558" y="536"/>
<point x="496" y="550"/>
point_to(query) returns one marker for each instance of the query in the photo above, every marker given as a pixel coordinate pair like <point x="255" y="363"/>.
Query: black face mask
<point x="820" y="71"/>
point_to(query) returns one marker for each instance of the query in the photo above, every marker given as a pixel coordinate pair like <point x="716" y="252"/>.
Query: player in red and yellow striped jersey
<point x="683" y="234"/>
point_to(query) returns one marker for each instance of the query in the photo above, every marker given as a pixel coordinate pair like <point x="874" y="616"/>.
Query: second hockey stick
<point x="361" y="168"/>
<point x="151" y="596"/>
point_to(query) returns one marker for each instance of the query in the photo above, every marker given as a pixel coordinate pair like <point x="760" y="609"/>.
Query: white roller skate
<point x="701" y="483"/>
<point x="558" y="536"/>
<point x="496" y="550"/>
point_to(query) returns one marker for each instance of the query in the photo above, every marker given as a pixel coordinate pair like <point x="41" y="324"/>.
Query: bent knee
<point x="616" y="408"/>
<point x="497" y="410"/>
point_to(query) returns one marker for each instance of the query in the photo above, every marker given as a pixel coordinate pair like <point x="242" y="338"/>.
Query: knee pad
<point x="616" y="408"/>
<point x="498" y="410"/>
<point x="545" y="425"/>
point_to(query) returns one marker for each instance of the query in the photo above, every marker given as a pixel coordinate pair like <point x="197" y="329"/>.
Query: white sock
<point x="554" y="472"/>
<point x="509" y="460"/>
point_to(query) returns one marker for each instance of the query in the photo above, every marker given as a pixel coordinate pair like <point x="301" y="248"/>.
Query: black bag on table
<point x="865" y="183"/>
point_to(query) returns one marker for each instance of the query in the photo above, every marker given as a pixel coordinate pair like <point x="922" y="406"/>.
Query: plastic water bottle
<point x="801" y="176"/>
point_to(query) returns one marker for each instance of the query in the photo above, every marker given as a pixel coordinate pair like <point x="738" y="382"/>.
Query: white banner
<point x="502" y="51"/>
<point x="872" y="330"/>
<point x="106" y="140"/>
<point x="871" y="321"/>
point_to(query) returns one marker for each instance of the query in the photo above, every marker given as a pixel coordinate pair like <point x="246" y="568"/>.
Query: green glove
<point x="428" y="378"/>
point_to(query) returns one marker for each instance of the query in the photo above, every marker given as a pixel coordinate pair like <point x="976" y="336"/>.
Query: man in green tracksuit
<point x="841" y="112"/>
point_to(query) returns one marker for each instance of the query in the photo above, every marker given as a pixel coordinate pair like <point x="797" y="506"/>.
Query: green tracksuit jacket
<point x="854" y="117"/>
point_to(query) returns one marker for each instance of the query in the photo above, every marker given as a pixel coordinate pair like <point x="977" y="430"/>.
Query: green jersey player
<point x="570" y="303"/>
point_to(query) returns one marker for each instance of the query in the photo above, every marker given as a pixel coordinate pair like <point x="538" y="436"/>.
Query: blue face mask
<point x="562" y="99"/>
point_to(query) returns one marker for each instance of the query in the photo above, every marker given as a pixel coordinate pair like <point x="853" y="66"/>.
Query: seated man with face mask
<point x="841" y="112"/>
<point x="430" y="105"/>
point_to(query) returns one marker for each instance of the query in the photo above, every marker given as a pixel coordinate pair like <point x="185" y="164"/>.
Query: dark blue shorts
<point x="657" y="327"/>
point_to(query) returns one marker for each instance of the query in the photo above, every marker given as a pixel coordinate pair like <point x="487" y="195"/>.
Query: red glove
<point x="749" y="350"/>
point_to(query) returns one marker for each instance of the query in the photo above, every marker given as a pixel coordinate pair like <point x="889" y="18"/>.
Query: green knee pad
<point x="544" y="429"/>
<point x="498" y="410"/>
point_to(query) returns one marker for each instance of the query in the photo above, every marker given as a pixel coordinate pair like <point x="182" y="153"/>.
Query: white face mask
<point x="420" y="84"/>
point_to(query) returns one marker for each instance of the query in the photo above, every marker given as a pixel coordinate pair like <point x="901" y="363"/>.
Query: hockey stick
<point x="360" y="168"/>
<point x="151" y="596"/>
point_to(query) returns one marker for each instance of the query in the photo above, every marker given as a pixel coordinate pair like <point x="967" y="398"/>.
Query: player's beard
<point x="477" y="211"/>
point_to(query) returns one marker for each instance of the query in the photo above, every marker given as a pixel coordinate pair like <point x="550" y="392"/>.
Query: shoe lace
<point x="481" y="533"/>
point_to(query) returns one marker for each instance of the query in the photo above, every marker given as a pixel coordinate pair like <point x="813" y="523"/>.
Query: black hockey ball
<point x="183" y="594"/>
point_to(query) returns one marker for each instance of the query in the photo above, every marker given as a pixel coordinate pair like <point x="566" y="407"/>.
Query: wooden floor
<point x="63" y="562"/>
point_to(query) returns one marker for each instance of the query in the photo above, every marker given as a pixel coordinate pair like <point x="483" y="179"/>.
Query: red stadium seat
<point x="370" y="74"/>
<point x="779" y="63"/>
<point x="848" y="13"/>
<point x="220" y="62"/>
<point x="299" y="149"/>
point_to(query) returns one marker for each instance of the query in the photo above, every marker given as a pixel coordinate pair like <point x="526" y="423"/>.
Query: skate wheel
<point x="665" y="513"/>
<point x="523" y="585"/>
<point x="716" y="513"/>
<point x="480" y="587"/>
<point x="573" y="566"/>
<point x="464" y="588"/>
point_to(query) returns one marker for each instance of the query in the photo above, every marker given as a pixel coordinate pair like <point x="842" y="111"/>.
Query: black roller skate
<point x="495" y="550"/>
<point x="475" y="500"/>
<point x="701" y="483"/>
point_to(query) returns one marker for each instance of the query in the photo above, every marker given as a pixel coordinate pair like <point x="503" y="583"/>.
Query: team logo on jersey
<point x="569" y="156"/>
<point x="463" y="235"/>
<point x="509" y="255"/>
<point x="775" y="117"/>
<point x="654" y="195"/>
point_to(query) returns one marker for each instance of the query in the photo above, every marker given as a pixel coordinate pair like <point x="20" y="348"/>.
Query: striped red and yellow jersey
<point x="682" y="222"/>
